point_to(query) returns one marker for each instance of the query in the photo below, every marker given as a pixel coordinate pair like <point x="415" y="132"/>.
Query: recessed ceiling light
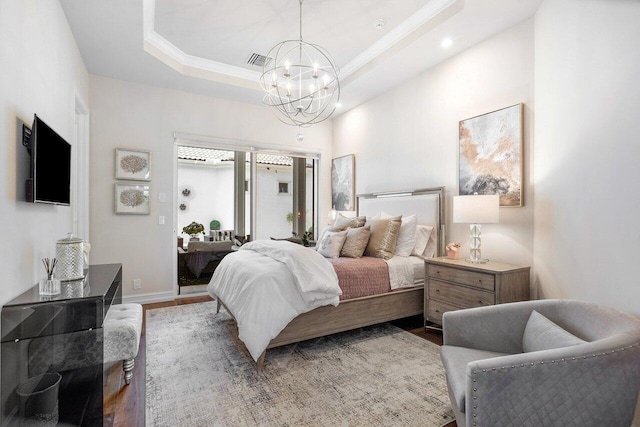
<point x="447" y="42"/>
<point x="339" y="105"/>
<point x="378" y="24"/>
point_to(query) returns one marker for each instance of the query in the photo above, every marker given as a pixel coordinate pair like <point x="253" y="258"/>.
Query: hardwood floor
<point x="127" y="405"/>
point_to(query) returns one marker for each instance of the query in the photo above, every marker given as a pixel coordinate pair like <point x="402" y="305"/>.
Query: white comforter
<point x="267" y="283"/>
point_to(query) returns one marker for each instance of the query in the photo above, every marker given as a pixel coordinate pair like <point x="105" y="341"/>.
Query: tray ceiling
<point x="202" y="46"/>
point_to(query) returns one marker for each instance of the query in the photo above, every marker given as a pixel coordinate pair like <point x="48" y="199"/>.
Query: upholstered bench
<point x="122" y="329"/>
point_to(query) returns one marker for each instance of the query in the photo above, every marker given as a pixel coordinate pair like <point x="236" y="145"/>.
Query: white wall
<point x="407" y="138"/>
<point x="587" y="227"/>
<point x="272" y="208"/>
<point x="144" y="117"/>
<point x="211" y="197"/>
<point x="41" y="71"/>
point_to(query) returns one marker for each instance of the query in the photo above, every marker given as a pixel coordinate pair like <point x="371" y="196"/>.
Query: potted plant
<point x="193" y="230"/>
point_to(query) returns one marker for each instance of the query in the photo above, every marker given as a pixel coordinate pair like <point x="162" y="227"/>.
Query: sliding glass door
<point x="253" y="194"/>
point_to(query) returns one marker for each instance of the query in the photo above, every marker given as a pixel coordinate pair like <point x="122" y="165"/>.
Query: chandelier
<point x="300" y="82"/>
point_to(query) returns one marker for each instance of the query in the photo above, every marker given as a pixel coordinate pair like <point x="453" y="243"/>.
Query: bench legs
<point x="127" y="367"/>
<point x="218" y="307"/>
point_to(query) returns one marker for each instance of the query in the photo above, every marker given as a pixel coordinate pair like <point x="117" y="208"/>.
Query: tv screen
<point x="50" y="165"/>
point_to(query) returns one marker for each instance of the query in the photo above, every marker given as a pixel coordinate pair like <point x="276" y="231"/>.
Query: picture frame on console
<point x="132" y="199"/>
<point x="133" y="165"/>
<point x="343" y="189"/>
<point x="491" y="155"/>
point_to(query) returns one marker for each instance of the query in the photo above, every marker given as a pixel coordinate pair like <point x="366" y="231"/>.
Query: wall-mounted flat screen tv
<point x="50" y="166"/>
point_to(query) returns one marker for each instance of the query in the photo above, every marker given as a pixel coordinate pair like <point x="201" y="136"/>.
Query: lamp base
<point x="475" y="253"/>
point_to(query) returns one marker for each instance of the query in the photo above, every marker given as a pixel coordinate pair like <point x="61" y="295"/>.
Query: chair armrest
<point x="592" y="384"/>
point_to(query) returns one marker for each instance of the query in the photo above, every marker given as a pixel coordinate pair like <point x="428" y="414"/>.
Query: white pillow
<point x="331" y="243"/>
<point x="423" y="235"/>
<point x="328" y="228"/>
<point x="375" y="217"/>
<point x="407" y="236"/>
<point x="430" y="249"/>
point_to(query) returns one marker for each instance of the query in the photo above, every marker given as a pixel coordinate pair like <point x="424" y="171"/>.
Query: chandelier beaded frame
<point x="300" y="81"/>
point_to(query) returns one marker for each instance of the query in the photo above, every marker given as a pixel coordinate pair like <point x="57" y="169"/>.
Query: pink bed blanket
<point x="361" y="277"/>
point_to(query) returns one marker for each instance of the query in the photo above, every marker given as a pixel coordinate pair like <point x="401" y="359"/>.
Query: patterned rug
<point x="199" y="374"/>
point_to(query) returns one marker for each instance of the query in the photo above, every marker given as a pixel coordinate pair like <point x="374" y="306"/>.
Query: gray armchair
<point x="492" y="382"/>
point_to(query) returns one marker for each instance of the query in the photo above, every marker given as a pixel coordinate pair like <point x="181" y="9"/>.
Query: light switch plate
<point x="162" y="197"/>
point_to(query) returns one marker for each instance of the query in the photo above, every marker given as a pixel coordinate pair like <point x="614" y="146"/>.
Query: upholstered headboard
<point x="427" y="204"/>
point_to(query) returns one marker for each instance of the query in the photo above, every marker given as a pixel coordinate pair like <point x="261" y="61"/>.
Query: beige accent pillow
<point x="407" y="236"/>
<point x="344" y="222"/>
<point x="331" y="243"/>
<point x="384" y="237"/>
<point x="356" y="242"/>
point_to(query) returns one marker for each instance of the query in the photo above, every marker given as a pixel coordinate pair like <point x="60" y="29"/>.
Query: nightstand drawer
<point x="464" y="277"/>
<point x="436" y="309"/>
<point x="459" y="295"/>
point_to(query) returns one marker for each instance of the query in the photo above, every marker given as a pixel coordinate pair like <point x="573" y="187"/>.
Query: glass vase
<point x="49" y="286"/>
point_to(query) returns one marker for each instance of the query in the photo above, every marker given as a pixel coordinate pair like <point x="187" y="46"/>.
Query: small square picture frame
<point x="133" y="165"/>
<point x="132" y="199"/>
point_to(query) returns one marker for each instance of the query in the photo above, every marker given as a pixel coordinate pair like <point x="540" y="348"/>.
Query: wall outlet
<point x="137" y="283"/>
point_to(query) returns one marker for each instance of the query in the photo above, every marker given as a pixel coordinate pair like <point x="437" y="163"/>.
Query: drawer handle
<point x="437" y="290"/>
<point x="480" y="280"/>
<point x="437" y="311"/>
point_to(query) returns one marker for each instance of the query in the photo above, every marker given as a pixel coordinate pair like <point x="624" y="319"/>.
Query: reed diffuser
<point x="50" y="285"/>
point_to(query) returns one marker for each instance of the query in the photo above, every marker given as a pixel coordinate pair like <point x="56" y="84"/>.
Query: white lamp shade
<point x="476" y="209"/>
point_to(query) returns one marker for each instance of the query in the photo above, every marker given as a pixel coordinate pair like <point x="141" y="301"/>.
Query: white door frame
<point x="80" y="182"/>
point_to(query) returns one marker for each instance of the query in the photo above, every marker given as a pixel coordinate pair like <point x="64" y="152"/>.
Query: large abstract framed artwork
<point x="343" y="191"/>
<point x="133" y="164"/>
<point x="491" y="152"/>
<point x="131" y="199"/>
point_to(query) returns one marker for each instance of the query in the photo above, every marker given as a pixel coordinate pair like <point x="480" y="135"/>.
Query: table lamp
<point x="476" y="210"/>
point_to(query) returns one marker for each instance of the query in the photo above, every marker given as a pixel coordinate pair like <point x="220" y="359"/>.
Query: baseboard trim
<point x="149" y="298"/>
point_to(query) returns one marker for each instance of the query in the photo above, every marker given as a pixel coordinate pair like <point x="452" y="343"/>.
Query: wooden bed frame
<point x="365" y="311"/>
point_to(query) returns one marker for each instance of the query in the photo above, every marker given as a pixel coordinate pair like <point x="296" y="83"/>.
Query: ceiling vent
<point x="258" y="60"/>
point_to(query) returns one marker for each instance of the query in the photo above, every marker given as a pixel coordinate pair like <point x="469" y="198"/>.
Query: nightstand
<point x="454" y="284"/>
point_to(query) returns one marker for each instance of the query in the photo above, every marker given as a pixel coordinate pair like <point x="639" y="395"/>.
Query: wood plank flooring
<point x="128" y="403"/>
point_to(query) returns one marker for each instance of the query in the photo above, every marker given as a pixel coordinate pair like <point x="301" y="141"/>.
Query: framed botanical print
<point x="491" y="155"/>
<point x="343" y="191"/>
<point x="132" y="199"/>
<point x="133" y="164"/>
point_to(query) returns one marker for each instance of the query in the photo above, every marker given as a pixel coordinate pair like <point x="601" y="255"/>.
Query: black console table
<point x="47" y="340"/>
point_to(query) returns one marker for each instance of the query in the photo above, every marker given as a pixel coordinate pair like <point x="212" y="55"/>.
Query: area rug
<point x="199" y="374"/>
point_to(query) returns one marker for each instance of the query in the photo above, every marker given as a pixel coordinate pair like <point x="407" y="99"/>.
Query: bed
<point x="356" y="311"/>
